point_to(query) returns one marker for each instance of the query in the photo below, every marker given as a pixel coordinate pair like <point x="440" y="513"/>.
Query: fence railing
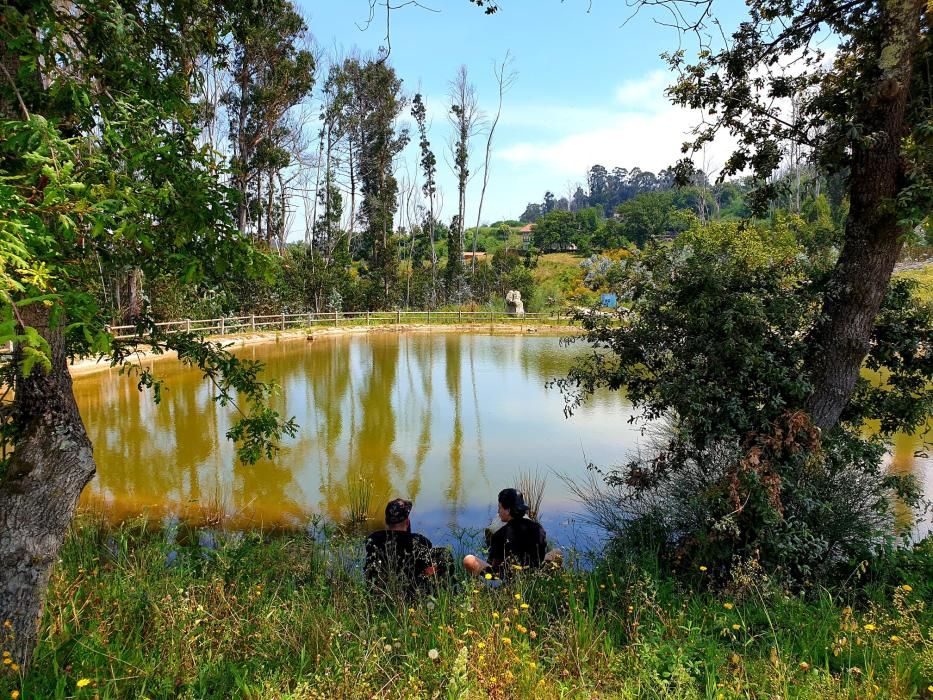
<point x="230" y="325"/>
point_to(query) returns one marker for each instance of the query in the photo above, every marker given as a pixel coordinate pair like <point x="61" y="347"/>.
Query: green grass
<point x="556" y="277"/>
<point x="925" y="277"/>
<point x="287" y="616"/>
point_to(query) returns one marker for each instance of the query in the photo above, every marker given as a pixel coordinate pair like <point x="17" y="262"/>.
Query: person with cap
<point x="519" y="542"/>
<point x="396" y="558"/>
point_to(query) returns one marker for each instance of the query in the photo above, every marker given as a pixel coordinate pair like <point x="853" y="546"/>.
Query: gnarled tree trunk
<point x="873" y="236"/>
<point x="51" y="464"/>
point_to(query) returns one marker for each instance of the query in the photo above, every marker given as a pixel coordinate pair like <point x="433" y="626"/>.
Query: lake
<point x="443" y="419"/>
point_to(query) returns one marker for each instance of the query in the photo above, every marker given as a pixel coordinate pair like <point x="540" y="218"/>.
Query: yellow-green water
<point x="446" y="420"/>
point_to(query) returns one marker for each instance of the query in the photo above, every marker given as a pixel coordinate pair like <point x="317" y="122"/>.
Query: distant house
<point x="526" y="234"/>
<point x="469" y="255"/>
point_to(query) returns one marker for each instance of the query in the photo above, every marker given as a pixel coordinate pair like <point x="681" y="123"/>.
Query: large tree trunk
<point x="873" y="237"/>
<point x="51" y="464"/>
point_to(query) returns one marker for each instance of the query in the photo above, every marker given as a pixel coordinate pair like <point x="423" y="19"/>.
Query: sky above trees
<point x="590" y="86"/>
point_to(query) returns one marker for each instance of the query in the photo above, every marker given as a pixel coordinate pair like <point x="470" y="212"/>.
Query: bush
<point x="712" y="339"/>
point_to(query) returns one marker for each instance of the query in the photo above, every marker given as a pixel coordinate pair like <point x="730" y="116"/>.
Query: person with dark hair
<point x="398" y="560"/>
<point x="519" y="542"/>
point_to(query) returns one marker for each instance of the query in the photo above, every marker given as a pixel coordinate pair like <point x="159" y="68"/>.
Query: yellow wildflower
<point x="895" y="638"/>
<point x="702" y="568"/>
<point x="506" y="641"/>
<point x="532" y="665"/>
<point x="14" y="694"/>
<point x="728" y="606"/>
<point x="907" y="588"/>
<point x="524" y="606"/>
<point x="481" y="645"/>
<point x="488" y="577"/>
<point x="5" y="653"/>
<point x="7" y="660"/>
<point x="495" y="615"/>
<point x="83" y="682"/>
<point x="518" y="596"/>
<point x="869" y="627"/>
<point x="736" y="627"/>
<point x="804" y="666"/>
<point x="14" y="667"/>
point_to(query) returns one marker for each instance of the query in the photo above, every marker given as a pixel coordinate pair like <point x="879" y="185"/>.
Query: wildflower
<point x="728" y="606"/>
<point x="895" y="638"/>
<point x="83" y="682"/>
<point x="14" y="667"/>
<point x="602" y="586"/>
<point x="518" y="596"/>
<point x="930" y="688"/>
<point x="533" y="634"/>
<point x="506" y="641"/>
<point x="631" y="609"/>
<point x="521" y="629"/>
<point x="387" y="648"/>
<point x="414" y="635"/>
<point x="433" y="654"/>
<point x="7" y="624"/>
<point x="524" y="606"/>
<point x="411" y="611"/>
<point x="804" y="666"/>
<point x="736" y="627"/>
<point x="481" y="645"/>
<point x="7" y="660"/>
<point x="14" y="694"/>
<point x="495" y="615"/>
<point x="855" y="671"/>
<point x="702" y="568"/>
<point x="869" y="627"/>
<point x="5" y="654"/>
<point x="532" y="665"/>
<point x="906" y="588"/>
<point x="488" y="577"/>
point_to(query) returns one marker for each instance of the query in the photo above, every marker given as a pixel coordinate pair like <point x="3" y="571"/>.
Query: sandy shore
<point x="90" y="365"/>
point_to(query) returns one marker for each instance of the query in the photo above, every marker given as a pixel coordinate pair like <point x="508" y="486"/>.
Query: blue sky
<point x="589" y="87"/>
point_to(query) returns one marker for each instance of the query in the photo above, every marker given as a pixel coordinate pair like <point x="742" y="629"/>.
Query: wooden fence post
<point x="283" y="320"/>
<point x="187" y="325"/>
<point x="398" y="317"/>
<point x="222" y="325"/>
<point x="252" y="322"/>
<point x="336" y="318"/>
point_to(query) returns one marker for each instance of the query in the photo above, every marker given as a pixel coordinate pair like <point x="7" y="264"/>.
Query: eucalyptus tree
<point x="429" y="188"/>
<point x="270" y="75"/>
<point x="379" y="95"/>
<point x="464" y="117"/>
<point x="100" y="168"/>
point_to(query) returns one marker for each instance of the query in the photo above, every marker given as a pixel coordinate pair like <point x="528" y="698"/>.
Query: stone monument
<point x="513" y="303"/>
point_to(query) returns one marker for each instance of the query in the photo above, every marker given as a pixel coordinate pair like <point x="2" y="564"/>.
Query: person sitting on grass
<point x="399" y="560"/>
<point x="519" y="542"/>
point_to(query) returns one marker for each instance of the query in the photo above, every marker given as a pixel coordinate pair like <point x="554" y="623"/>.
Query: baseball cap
<point x="397" y="510"/>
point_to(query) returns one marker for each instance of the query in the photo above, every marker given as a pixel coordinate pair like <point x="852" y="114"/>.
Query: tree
<point x="504" y="81"/>
<point x="98" y="138"/>
<point x="650" y="216"/>
<point x="379" y="94"/>
<point x="429" y="170"/>
<point x="270" y="76"/>
<point x="464" y="117"/>
<point x="866" y="117"/>
<point x="711" y="343"/>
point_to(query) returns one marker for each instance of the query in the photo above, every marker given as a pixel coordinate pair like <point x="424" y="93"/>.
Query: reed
<point x="359" y="501"/>
<point x="532" y="485"/>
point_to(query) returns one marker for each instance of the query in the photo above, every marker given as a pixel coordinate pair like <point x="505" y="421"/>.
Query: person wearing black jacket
<point x="520" y="542"/>
<point x="399" y="560"/>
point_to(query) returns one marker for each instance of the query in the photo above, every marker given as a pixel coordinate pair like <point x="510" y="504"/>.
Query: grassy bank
<point x="287" y="615"/>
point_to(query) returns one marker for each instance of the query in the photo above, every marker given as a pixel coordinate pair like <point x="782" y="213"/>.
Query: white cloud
<point x="650" y="139"/>
<point x="644" y="93"/>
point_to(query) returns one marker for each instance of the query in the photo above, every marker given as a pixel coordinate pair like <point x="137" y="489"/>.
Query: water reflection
<point x="444" y="419"/>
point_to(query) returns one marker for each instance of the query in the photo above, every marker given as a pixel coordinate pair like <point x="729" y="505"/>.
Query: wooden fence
<point x="230" y="325"/>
